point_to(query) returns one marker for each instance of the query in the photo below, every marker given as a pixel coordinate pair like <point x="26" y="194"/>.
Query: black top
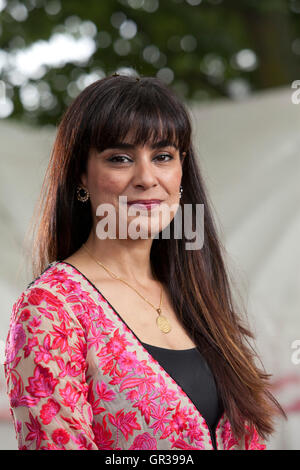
<point x="190" y="370"/>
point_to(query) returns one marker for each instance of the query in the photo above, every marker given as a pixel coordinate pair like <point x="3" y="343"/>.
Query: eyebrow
<point x="162" y="143"/>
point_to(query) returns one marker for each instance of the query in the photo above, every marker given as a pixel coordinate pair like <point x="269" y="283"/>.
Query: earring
<point x="82" y="197"/>
<point x="181" y="191"/>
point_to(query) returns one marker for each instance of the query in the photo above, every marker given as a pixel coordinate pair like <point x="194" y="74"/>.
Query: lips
<point x="145" y="203"/>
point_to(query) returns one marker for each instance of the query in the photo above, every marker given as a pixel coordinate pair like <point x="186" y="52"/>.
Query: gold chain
<point x="161" y="321"/>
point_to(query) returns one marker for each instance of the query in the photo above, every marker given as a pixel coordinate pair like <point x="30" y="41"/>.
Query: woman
<point x="126" y="342"/>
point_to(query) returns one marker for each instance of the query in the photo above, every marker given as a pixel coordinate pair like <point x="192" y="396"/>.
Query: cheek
<point x="173" y="182"/>
<point x="105" y="185"/>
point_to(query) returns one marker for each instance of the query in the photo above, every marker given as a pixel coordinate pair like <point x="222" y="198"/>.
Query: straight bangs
<point x="139" y="115"/>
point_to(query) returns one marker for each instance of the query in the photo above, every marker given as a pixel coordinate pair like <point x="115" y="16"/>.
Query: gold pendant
<point x="163" y="324"/>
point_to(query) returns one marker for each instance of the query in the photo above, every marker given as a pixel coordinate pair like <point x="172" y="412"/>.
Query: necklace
<point x="161" y="321"/>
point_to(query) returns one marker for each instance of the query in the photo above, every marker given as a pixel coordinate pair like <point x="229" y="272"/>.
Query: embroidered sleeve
<point x="45" y="367"/>
<point x="253" y="441"/>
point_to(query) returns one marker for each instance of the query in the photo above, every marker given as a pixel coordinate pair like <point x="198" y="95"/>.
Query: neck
<point x="127" y="258"/>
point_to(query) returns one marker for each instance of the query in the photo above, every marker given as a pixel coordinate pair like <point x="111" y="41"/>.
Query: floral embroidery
<point x="143" y="442"/>
<point x="78" y="378"/>
<point x="252" y="441"/>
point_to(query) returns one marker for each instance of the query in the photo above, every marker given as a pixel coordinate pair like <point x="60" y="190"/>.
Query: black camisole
<point x="190" y="370"/>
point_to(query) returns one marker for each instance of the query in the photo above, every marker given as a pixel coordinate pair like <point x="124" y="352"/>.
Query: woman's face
<point x="140" y="173"/>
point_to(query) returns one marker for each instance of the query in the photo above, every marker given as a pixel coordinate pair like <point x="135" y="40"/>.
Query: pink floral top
<point x="77" y="377"/>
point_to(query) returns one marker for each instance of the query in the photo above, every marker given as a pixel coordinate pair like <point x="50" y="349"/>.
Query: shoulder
<point x="41" y="286"/>
<point x="59" y="278"/>
<point x="45" y="310"/>
<point x="51" y="295"/>
<point x="49" y="274"/>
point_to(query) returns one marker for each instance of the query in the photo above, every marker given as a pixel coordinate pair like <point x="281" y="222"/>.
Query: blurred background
<point x="236" y="65"/>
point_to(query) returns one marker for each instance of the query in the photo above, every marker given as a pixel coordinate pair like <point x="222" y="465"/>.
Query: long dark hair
<point x="197" y="280"/>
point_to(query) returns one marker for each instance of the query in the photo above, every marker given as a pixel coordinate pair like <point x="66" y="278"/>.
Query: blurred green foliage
<point x="203" y="49"/>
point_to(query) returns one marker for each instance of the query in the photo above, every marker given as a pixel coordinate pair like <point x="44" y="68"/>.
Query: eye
<point x="115" y="158"/>
<point x="164" y="155"/>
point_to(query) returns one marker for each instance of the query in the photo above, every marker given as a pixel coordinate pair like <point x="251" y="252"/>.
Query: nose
<point x="144" y="174"/>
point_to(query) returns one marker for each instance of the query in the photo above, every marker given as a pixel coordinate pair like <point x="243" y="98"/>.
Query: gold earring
<point x="82" y="197"/>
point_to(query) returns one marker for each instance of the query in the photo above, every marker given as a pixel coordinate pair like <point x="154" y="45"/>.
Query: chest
<point x="141" y="317"/>
<point x="134" y="400"/>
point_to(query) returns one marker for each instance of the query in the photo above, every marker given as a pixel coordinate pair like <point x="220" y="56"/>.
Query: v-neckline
<point x="140" y="343"/>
